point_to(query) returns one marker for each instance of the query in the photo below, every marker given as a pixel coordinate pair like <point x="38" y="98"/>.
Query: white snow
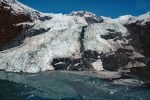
<point x="82" y="14"/>
<point x="124" y="19"/>
<point x="128" y="19"/>
<point x="19" y="8"/>
<point x="36" y="53"/>
<point x="144" y="18"/>
<point x="86" y="14"/>
<point x="59" y="22"/>
<point x="93" y="40"/>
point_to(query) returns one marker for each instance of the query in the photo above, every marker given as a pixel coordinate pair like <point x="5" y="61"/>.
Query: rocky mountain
<point x="31" y="41"/>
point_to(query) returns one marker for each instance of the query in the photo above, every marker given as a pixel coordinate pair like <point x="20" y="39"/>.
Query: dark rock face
<point x="140" y="35"/>
<point x="123" y="60"/>
<point x="81" y="64"/>
<point x="134" y="56"/>
<point x="91" y="55"/>
<point x="12" y="34"/>
<point x="44" y="18"/>
<point x="8" y="23"/>
<point x="71" y="64"/>
<point x="91" y="19"/>
<point x="146" y="36"/>
<point x="31" y="32"/>
<point x="115" y="61"/>
<point x="145" y="39"/>
<point x="61" y="63"/>
<point x="140" y="40"/>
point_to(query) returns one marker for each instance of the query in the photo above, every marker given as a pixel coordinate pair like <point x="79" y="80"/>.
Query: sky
<point x="108" y="8"/>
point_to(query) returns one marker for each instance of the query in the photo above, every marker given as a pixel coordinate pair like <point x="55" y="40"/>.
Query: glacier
<point x="78" y="41"/>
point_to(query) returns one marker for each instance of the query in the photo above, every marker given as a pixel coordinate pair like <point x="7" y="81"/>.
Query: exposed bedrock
<point x="8" y="22"/>
<point x="72" y="64"/>
<point x="123" y="60"/>
<point x="13" y="16"/>
<point x="140" y="35"/>
<point x="140" y="40"/>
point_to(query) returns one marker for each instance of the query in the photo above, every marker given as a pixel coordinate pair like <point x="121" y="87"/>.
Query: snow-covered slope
<point x="124" y="19"/>
<point x="129" y="19"/>
<point x="37" y="53"/>
<point x="70" y="42"/>
<point x="96" y="36"/>
<point x="89" y="17"/>
<point x="17" y="7"/>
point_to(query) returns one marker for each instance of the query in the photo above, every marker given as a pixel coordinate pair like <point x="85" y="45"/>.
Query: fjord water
<point x="65" y="86"/>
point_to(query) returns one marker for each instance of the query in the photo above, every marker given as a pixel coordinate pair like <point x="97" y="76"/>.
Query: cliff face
<point x="140" y="35"/>
<point x="9" y="20"/>
<point x="31" y="41"/>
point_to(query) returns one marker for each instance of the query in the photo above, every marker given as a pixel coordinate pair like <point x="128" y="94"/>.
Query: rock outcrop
<point x="31" y="41"/>
<point x="9" y="20"/>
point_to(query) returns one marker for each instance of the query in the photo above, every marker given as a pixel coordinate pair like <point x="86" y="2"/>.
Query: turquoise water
<point x="65" y="86"/>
